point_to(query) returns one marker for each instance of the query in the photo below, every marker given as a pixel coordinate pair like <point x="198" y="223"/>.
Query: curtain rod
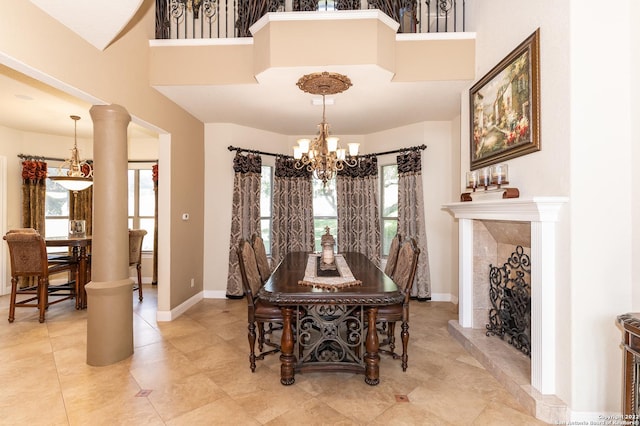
<point x="395" y="151"/>
<point x="40" y="157"/>
<point x="254" y="151"/>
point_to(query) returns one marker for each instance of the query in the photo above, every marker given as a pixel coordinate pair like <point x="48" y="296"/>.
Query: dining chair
<point x="261" y="257"/>
<point x="135" y="256"/>
<point x="259" y="312"/>
<point x="390" y="267"/>
<point x="404" y="274"/>
<point x="28" y="256"/>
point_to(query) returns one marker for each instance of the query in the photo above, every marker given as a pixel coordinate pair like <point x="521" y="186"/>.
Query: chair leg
<point x="391" y="337"/>
<point x="43" y="299"/>
<point x="139" y="268"/>
<point x="260" y="336"/>
<point x="12" y="301"/>
<point x="252" y="345"/>
<point x="405" y="342"/>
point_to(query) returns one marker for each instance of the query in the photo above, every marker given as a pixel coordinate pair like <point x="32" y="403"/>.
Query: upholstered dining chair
<point x="135" y="256"/>
<point x="28" y="256"/>
<point x="390" y="267"/>
<point x="261" y="257"/>
<point x="259" y="312"/>
<point x="404" y="275"/>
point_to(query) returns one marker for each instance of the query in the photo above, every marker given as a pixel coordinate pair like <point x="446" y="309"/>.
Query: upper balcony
<point x="205" y="19"/>
<point x="227" y="65"/>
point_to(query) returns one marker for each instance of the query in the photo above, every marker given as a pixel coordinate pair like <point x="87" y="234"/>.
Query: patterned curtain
<point x="249" y="11"/>
<point x="245" y="216"/>
<point x="358" y="219"/>
<point x="154" y="176"/>
<point x="34" y="193"/>
<point x="411" y="217"/>
<point x="292" y="228"/>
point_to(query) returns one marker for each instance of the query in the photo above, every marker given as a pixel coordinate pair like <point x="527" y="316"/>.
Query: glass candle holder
<point x="499" y="174"/>
<point x="484" y="177"/>
<point x="472" y="179"/>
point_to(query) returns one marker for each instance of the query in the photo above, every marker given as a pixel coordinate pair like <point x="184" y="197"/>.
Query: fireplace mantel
<point x="536" y="209"/>
<point x="542" y="213"/>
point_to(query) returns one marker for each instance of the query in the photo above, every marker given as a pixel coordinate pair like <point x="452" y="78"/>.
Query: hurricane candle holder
<point x="499" y="174"/>
<point x="492" y="179"/>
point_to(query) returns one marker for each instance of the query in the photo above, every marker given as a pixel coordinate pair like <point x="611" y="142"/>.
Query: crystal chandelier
<point x="323" y="155"/>
<point x="80" y="174"/>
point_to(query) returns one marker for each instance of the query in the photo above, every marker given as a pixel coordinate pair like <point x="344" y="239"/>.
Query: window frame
<point x="269" y="218"/>
<point x="383" y="219"/>
<point x="135" y="219"/>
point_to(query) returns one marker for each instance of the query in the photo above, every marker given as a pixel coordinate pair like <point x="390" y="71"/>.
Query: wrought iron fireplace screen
<point x="510" y="295"/>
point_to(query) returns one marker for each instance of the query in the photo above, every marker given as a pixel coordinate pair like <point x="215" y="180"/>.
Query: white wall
<point x="635" y="147"/>
<point x="585" y="134"/>
<point x="438" y="179"/>
<point x="219" y="191"/>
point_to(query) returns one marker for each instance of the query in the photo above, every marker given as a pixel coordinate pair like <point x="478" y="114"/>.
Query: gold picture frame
<point x="505" y="107"/>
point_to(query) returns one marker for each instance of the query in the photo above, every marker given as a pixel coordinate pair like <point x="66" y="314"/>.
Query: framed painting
<point x="505" y="107"/>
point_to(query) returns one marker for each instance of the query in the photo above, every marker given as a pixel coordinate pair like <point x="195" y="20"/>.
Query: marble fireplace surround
<point x="537" y="391"/>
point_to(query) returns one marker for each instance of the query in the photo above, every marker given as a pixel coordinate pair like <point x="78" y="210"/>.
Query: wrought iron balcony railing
<point x="192" y="19"/>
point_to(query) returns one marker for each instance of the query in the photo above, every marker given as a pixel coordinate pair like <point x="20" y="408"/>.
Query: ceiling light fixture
<point x="80" y="173"/>
<point x="323" y="156"/>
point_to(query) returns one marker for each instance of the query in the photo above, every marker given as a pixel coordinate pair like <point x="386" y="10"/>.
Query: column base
<point x="109" y="322"/>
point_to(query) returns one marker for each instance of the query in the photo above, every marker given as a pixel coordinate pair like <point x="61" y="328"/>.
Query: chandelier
<point x="323" y="155"/>
<point x="80" y="174"/>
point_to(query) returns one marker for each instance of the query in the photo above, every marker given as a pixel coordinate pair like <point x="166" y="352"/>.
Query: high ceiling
<point x="373" y="103"/>
<point x="274" y="103"/>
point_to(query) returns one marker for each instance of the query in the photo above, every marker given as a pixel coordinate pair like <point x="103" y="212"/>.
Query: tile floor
<point x="195" y="371"/>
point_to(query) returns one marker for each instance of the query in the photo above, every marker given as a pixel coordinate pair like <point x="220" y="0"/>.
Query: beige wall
<point x="32" y="41"/>
<point x="14" y="142"/>
<point x="585" y="128"/>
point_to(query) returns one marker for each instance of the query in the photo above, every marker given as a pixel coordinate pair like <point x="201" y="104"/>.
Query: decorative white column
<point x="542" y="213"/>
<point x="109" y="294"/>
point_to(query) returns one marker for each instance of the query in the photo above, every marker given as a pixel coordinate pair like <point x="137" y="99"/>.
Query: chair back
<point x="390" y="268"/>
<point x="405" y="271"/>
<point x="261" y="257"/>
<point x="251" y="281"/>
<point x="28" y="253"/>
<point x="135" y="245"/>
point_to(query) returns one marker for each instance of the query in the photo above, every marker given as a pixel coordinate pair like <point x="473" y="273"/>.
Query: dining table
<point x="78" y="246"/>
<point x="329" y="321"/>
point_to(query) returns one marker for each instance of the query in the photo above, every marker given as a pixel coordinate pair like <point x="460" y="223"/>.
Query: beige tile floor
<point x="195" y="371"/>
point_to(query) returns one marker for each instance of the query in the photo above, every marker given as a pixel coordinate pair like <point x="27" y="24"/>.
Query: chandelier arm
<point x="352" y="163"/>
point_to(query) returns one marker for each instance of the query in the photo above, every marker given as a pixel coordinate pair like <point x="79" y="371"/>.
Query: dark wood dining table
<point x="329" y="329"/>
<point x="78" y="247"/>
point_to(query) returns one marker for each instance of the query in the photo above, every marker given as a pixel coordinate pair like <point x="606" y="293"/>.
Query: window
<point x="265" y="206"/>
<point x="56" y="207"/>
<point x="389" y="203"/>
<point x="142" y="206"/>
<point x="325" y="211"/>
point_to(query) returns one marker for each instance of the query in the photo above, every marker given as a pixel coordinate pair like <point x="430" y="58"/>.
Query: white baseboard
<point x="179" y="310"/>
<point x="444" y="297"/>
<point x="215" y="294"/>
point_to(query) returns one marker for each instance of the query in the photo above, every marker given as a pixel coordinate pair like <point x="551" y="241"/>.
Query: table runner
<point x="311" y="278"/>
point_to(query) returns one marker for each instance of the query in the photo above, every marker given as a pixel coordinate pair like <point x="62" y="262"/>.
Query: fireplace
<point x="539" y="215"/>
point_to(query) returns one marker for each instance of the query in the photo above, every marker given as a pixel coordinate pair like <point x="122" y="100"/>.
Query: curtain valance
<point x="366" y="167"/>
<point x="249" y="163"/>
